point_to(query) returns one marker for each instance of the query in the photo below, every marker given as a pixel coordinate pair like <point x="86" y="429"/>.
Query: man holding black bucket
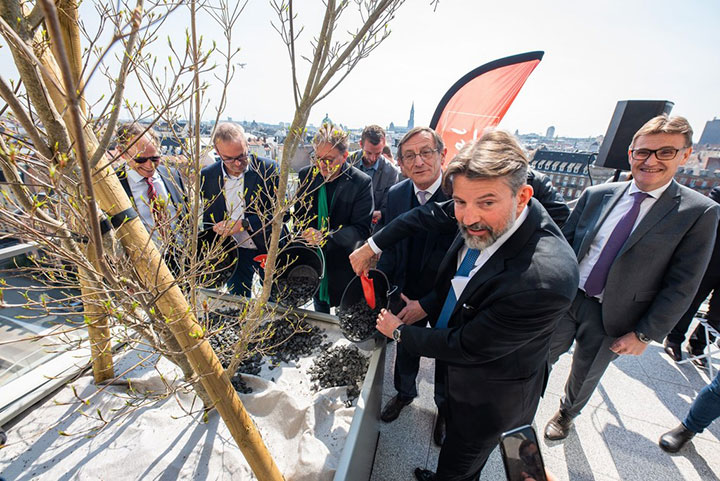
<point x="334" y="210"/>
<point x="412" y="263"/>
<point x="500" y="291"/>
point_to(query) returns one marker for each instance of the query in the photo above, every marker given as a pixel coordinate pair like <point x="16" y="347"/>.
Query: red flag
<point x="480" y="99"/>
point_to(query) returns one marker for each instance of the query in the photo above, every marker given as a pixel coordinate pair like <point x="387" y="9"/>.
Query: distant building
<point x="569" y="171"/>
<point x="711" y="133"/>
<point x="411" y="120"/>
<point x="550" y="134"/>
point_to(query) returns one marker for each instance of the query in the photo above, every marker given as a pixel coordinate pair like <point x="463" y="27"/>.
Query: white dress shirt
<point x="611" y="221"/>
<point x="139" y="189"/>
<point x="234" y="192"/>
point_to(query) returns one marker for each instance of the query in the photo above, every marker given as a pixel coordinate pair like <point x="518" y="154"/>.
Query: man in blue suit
<point x="238" y="190"/>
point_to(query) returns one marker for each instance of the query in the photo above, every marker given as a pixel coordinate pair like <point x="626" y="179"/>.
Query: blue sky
<point x="596" y="53"/>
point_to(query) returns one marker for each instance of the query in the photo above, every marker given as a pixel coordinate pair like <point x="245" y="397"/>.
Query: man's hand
<point x="313" y="237"/>
<point x="387" y="322"/>
<point x="377" y="215"/>
<point x="412" y="312"/>
<point x="228" y="227"/>
<point x="628" y="344"/>
<point x="361" y="259"/>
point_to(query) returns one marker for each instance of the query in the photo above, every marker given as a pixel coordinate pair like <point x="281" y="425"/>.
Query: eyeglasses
<point x="663" y="153"/>
<point x="425" y="154"/>
<point x="229" y="160"/>
<point x="142" y="160"/>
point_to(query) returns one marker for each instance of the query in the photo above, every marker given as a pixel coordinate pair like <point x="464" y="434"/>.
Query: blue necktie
<point x="466" y="266"/>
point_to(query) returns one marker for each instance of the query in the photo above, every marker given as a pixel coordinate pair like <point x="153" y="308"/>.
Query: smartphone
<point x="521" y="455"/>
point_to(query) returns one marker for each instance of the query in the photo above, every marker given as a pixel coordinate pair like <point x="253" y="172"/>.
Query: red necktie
<point x="157" y="209"/>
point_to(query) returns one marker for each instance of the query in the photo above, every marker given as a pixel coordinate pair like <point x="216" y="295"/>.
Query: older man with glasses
<point x="238" y="190"/>
<point x="334" y="211"/>
<point x="155" y="190"/>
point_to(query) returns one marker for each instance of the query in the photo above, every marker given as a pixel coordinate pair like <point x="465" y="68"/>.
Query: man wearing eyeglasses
<point x="642" y="248"/>
<point x="369" y="159"/>
<point x="239" y="190"/>
<point x="334" y="209"/>
<point x="412" y="264"/>
<point x="156" y="190"/>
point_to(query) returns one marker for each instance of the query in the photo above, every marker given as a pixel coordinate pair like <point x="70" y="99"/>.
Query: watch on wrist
<point x="396" y="333"/>
<point x="245" y="224"/>
<point x="642" y="337"/>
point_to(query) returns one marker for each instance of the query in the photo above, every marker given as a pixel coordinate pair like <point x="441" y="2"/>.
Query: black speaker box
<point x="629" y="116"/>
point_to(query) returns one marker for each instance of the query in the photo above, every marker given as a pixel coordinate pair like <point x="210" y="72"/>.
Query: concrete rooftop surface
<point x="614" y="438"/>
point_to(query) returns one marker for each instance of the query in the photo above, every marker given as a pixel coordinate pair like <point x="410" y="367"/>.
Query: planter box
<point x="358" y="453"/>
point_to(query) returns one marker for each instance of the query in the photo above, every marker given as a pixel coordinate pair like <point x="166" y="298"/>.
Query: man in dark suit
<point x="495" y="313"/>
<point x="334" y="211"/>
<point x="413" y="263"/>
<point x="369" y="159"/>
<point x="238" y="190"/>
<point x="642" y="248"/>
<point x="155" y="190"/>
<point x="709" y="284"/>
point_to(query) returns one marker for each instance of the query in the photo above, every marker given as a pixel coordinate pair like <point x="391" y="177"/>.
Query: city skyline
<point x="595" y="56"/>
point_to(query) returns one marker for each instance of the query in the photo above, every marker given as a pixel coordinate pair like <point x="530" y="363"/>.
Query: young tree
<point x="122" y="276"/>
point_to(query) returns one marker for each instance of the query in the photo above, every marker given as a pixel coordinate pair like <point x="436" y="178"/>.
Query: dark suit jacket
<point x="260" y="183"/>
<point x="171" y="179"/>
<point x="395" y="260"/>
<point x="350" y="214"/>
<point x="496" y="344"/>
<point x="384" y="178"/>
<point x="657" y="272"/>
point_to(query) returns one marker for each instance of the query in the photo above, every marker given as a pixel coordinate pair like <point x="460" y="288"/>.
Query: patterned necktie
<point x="466" y="266"/>
<point x="423" y="196"/>
<point x="595" y="282"/>
<point x="155" y="207"/>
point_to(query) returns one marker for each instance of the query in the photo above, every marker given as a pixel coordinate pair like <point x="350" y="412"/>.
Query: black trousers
<point x="406" y="370"/>
<point x="709" y="284"/>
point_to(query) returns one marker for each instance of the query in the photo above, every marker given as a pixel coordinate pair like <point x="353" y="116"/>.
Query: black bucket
<point x="357" y="319"/>
<point x="223" y="265"/>
<point x="301" y="270"/>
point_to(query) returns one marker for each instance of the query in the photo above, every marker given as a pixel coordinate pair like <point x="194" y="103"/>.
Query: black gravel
<point x="294" y="291"/>
<point x="293" y="340"/>
<point x="340" y="366"/>
<point x="287" y="342"/>
<point x="357" y="322"/>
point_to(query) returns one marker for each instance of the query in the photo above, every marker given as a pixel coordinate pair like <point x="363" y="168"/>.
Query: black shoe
<point x="392" y="409"/>
<point x="700" y="362"/>
<point x="673" y="350"/>
<point x="439" y="431"/>
<point x="673" y="441"/>
<point x="424" y="475"/>
<point x="558" y="427"/>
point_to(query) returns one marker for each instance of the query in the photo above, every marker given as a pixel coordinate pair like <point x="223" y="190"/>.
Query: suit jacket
<point x="260" y="183"/>
<point x="395" y="260"/>
<point x="656" y="273"/>
<point x="496" y="345"/>
<point x="171" y="179"/>
<point x="385" y="177"/>
<point x="350" y="213"/>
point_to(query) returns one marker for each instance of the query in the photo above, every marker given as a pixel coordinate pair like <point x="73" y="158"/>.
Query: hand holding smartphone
<point x="521" y="455"/>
